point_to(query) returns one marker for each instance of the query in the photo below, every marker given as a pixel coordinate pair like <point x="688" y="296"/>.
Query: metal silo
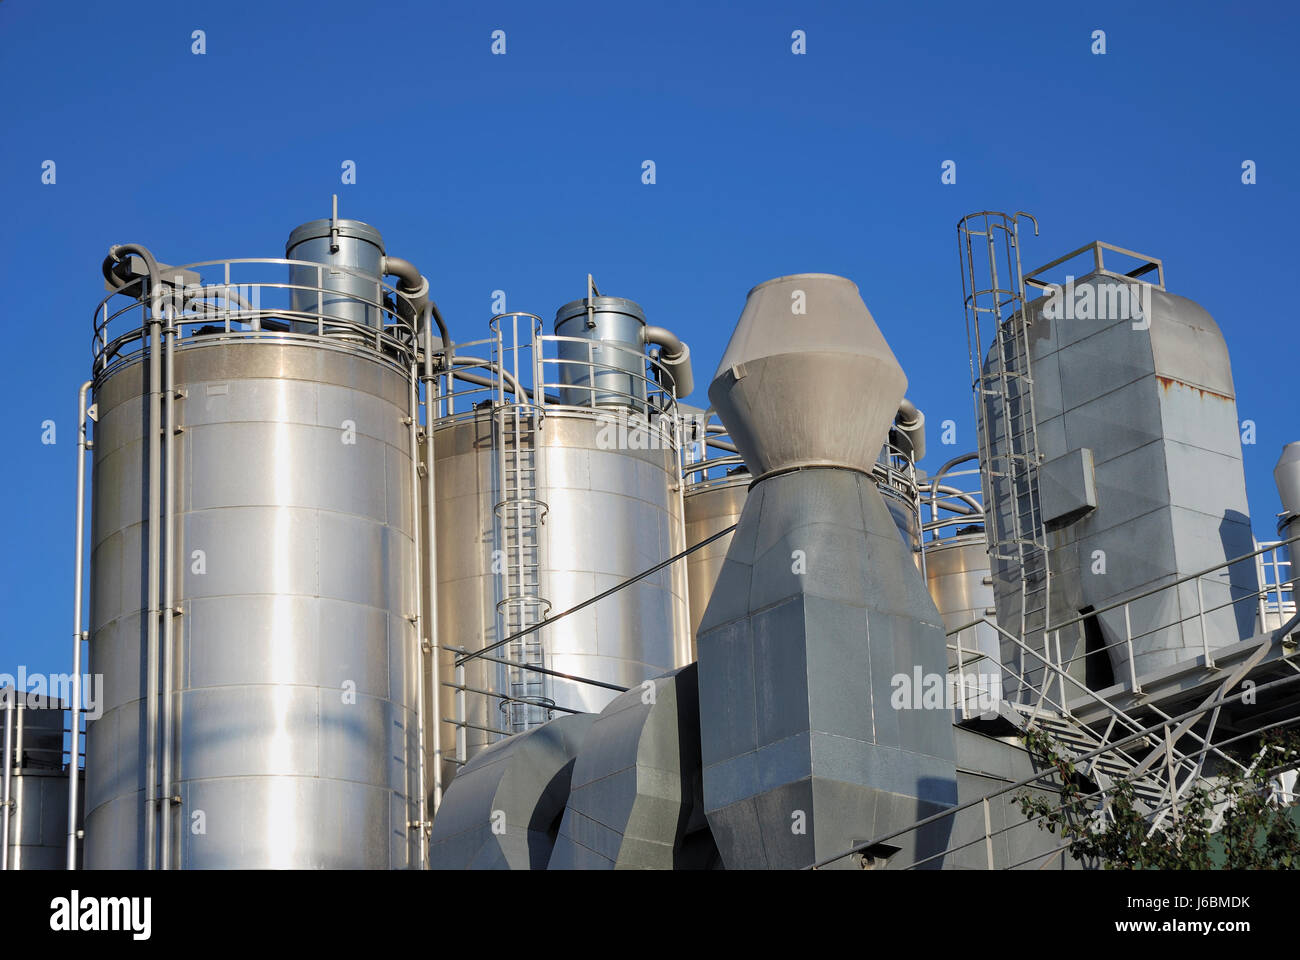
<point x="548" y="494"/>
<point x="254" y="601"/>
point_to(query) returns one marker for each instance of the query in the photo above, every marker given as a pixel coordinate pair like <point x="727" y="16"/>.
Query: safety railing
<point x="518" y="363"/>
<point x="252" y="299"/>
<point x="1273" y="568"/>
<point x="952" y="499"/>
<point x="1244" y="608"/>
<point x="1157" y="739"/>
<point x="709" y="455"/>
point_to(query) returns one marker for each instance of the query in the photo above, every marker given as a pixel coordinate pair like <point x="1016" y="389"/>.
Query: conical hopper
<point x="807" y="378"/>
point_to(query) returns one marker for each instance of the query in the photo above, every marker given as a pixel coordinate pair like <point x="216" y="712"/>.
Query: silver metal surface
<point x="1152" y="398"/>
<point x="35" y="783"/>
<point x="611" y="513"/>
<point x="346" y="282"/>
<point x="806" y="345"/>
<point x="294" y="666"/>
<point x="818" y="607"/>
<point x="601" y="352"/>
<point x="709" y="508"/>
<point x="957" y="574"/>
<point x="1286" y="474"/>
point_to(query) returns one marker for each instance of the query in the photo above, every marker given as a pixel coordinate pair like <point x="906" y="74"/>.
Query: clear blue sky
<point x="523" y="172"/>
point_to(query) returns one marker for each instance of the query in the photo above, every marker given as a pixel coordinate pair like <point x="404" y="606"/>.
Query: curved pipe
<point x="114" y="257"/>
<point x="411" y="283"/>
<point x="478" y="379"/>
<point x="909" y="423"/>
<point x="674" y="355"/>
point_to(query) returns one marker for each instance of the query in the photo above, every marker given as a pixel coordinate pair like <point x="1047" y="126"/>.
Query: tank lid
<point x="576" y="308"/>
<point x="314" y="229"/>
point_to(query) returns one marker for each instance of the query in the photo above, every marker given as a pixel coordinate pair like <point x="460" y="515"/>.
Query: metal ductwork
<point x="909" y="429"/>
<point x="1287" y="477"/>
<point x="818" y="607"/>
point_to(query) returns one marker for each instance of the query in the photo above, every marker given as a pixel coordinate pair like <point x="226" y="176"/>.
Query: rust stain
<point x="1167" y="383"/>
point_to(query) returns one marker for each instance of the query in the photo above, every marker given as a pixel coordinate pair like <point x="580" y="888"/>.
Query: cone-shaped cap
<point x="807" y="378"/>
<point x="1287" y="477"/>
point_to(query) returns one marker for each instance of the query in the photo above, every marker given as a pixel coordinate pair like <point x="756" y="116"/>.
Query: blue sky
<point x="523" y="172"/>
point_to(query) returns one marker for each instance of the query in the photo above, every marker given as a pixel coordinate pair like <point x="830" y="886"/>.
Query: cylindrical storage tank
<point x="608" y="367"/>
<point x="957" y="574"/>
<point x="38" y="782"/>
<point x="611" y="511"/>
<point x="347" y="283"/>
<point x="711" y="505"/>
<point x="295" y="742"/>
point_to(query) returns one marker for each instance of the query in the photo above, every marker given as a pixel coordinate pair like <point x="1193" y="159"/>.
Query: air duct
<point x="818" y="609"/>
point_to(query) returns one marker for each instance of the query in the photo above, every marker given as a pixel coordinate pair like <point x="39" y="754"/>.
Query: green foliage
<point x="1255" y="834"/>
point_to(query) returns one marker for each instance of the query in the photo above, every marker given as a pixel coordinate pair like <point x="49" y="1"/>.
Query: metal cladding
<point x="635" y="798"/>
<point x="611" y="512"/>
<point x="346" y="285"/>
<point x="604" y="362"/>
<point x="1287" y="477"/>
<point x="807" y="377"/>
<point x="295" y="664"/>
<point x="1145" y="395"/>
<point x="36" y="783"/>
<point x="818" y="609"/>
<point x="957" y="573"/>
<point x="501" y="812"/>
<point x="710" y="507"/>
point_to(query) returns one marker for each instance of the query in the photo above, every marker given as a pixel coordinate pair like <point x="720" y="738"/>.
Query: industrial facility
<point x="361" y="586"/>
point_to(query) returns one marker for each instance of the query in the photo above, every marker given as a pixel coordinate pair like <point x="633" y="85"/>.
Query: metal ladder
<point x="519" y="517"/>
<point x="1002" y="381"/>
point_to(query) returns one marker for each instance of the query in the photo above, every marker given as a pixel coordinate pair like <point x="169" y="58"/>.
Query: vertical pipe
<point x="1128" y="643"/>
<point x="961" y="676"/>
<point x="151" y="644"/>
<point x="1200" y="614"/>
<point x="20" y="711"/>
<point x="413" y="405"/>
<point x="10" y="700"/>
<point x="429" y="647"/>
<point x="74" y="771"/>
<point x="169" y="581"/>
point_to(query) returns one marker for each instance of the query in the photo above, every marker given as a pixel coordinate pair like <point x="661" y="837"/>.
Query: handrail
<point x="1116" y="604"/>
<point x="954" y="810"/>
<point x="393" y="334"/>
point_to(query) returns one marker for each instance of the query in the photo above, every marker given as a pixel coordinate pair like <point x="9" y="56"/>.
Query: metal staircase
<point x="997" y="327"/>
<point x="1105" y="765"/>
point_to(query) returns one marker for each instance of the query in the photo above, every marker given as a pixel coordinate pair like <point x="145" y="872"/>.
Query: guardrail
<point x="237" y="299"/>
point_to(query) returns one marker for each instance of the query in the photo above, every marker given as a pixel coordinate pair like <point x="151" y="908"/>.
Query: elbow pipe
<point x="412" y="284"/>
<point x="114" y="257"/>
<point x="909" y="424"/>
<point x="674" y="356"/>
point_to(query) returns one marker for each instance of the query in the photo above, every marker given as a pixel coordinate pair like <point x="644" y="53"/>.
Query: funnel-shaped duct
<point x="820" y="631"/>
<point x="1287" y="477"/>
<point x="807" y="378"/>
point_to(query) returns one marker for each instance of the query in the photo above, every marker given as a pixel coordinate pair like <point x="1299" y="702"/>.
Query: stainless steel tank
<point x="957" y="574"/>
<point x="343" y="282"/>
<point x="295" y="742"/>
<point x="711" y="506"/>
<point x="605" y="365"/>
<point x="37" y="782"/>
<point x="610" y="512"/>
